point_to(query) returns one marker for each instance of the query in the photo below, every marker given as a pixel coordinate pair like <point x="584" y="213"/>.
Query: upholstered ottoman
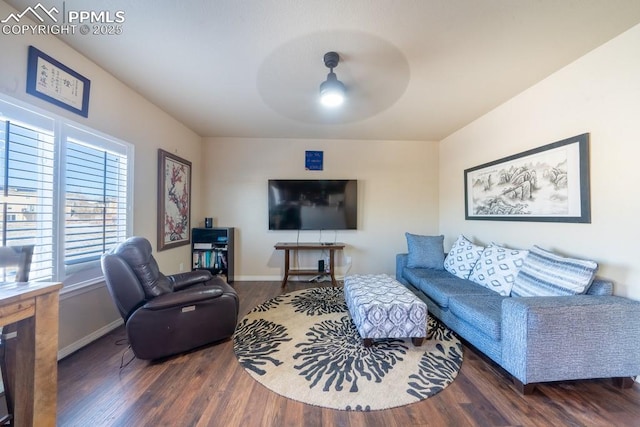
<point x="382" y="307"/>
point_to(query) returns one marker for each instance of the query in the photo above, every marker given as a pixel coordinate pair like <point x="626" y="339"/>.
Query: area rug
<point x="304" y="346"/>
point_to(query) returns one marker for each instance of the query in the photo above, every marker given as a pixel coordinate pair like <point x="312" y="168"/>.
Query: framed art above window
<point x="545" y="184"/>
<point x="56" y="83"/>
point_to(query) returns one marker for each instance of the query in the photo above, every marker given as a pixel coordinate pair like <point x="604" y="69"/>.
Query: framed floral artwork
<point x="174" y="200"/>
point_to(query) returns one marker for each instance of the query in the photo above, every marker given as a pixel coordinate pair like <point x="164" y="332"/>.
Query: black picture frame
<point x="544" y="184"/>
<point x="174" y="201"/>
<point x="56" y="83"/>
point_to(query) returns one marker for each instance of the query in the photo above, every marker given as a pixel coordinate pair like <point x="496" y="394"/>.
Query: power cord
<point x="123" y="365"/>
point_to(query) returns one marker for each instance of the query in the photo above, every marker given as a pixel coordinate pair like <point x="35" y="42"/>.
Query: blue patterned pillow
<point x="497" y="268"/>
<point x="425" y="251"/>
<point x="547" y="274"/>
<point x="462" y="257"/>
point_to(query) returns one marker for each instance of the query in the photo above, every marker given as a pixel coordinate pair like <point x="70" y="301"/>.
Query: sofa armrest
<point x="183" y="298"/>
<point x="570" y="337"/>
<point x="401" y="264"/>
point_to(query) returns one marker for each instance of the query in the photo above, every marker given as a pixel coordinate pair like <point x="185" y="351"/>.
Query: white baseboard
<point x="64" y="352"/>
<point x="292" y="277"/>
<point x="257" y="278"/>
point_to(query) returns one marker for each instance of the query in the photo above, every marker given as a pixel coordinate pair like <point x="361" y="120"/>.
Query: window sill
<point x="75" y="289"/>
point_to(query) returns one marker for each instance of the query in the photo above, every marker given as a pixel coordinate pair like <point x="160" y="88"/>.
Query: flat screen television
<point x="313" y="204"/>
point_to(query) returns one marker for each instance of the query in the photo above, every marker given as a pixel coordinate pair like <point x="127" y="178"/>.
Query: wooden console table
<point x="33" y="306"/>
<point x="287" y="247"/>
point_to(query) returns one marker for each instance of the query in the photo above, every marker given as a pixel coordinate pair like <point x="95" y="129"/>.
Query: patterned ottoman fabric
<point x="381" y="307"/>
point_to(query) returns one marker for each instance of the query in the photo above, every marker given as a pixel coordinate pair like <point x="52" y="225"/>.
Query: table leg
<point x="286" y="268"/>
<point x="37" y="365"/>
<point x="331" y="267"/>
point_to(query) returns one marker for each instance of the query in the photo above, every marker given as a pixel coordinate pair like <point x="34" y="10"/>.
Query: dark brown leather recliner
<point x="166" y="315"/>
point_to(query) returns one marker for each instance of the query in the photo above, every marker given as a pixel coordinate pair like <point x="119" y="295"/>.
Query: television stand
<point x="288" y="247"/>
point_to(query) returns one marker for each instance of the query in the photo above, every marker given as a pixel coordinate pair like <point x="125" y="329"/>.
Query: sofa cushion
<point x="497" y="268"/>
<point x="415" y="275"/>
<point x="462" y="257"/>
<point x="600" y="287"/>
<point x="483" y="312"/>
<point x="544" y="273"/>
<point x="440" y="285"/>
<point x="425" y="251"/>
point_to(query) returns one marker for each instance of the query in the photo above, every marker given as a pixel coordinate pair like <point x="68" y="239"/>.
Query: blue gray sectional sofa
<point x="577" y="334"/>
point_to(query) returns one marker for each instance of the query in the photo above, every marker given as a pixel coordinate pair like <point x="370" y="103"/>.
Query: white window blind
<point x="66" y="189"/>
<point x="95" y="202"/>
<point x="27" y="177"/>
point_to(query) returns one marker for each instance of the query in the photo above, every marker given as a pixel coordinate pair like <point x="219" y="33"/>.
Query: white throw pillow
<point x="462" y="257"/>
<point x="497" y="268"/>
<point x="544" y="273"/>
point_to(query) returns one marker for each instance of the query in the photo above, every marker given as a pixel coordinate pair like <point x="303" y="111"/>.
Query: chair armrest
<point x="570" y="337"/>
<point x="182" y="298"/>
<point x="184" y="280"/>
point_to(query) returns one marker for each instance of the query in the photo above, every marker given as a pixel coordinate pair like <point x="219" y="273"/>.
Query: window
<point x="66" y="189"/>
<point x="27" y="175"/>
<point x="95" y="200"/>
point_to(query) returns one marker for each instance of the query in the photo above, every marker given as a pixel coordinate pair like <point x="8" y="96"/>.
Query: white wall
<point x="599" y="94"/>
<point x="397" y="192"/>
<point x="117" y="110"/>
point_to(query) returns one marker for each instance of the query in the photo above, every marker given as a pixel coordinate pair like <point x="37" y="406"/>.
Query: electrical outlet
<point x="181" y="267"/>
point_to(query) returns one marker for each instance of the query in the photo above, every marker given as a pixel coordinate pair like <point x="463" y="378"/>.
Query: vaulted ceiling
<point x="414" y="69"/>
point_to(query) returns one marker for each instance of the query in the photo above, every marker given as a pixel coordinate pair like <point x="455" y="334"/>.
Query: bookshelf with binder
<point x="212" y="249"/>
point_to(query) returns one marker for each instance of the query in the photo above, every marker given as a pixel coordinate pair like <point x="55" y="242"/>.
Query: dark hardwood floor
<point x="208" y="387"/>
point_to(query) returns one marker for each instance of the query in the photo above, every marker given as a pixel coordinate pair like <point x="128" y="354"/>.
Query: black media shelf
<point x="212" y="249"/>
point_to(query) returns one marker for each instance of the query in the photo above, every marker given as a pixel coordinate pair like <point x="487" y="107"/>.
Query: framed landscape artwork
<point x="545" y="184"/>
<point x="174" y="200"/>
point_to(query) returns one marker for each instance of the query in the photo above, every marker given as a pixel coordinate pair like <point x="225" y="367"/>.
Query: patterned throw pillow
<point x="547" y="274"/>
<point x="425" y="251"/>
<point x="497" y="268"/>
<point x="462" y="257"/>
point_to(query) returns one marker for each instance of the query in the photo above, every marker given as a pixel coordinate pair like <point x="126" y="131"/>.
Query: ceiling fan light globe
<point x="332" y="99"/>
<point x="332" y="92"/>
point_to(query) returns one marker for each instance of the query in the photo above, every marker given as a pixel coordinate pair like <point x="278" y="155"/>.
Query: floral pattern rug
<point x="304" y="346"/>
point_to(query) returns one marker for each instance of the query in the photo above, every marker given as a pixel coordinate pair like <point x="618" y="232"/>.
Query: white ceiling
<point x="414" y="69"/>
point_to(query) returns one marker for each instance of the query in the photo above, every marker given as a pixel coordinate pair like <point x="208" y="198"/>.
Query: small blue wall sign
<point x="313" y="160"/>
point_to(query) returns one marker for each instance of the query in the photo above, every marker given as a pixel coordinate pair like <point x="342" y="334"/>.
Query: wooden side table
<point x="287" y="247"/>
<point x="33" y="306"/>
